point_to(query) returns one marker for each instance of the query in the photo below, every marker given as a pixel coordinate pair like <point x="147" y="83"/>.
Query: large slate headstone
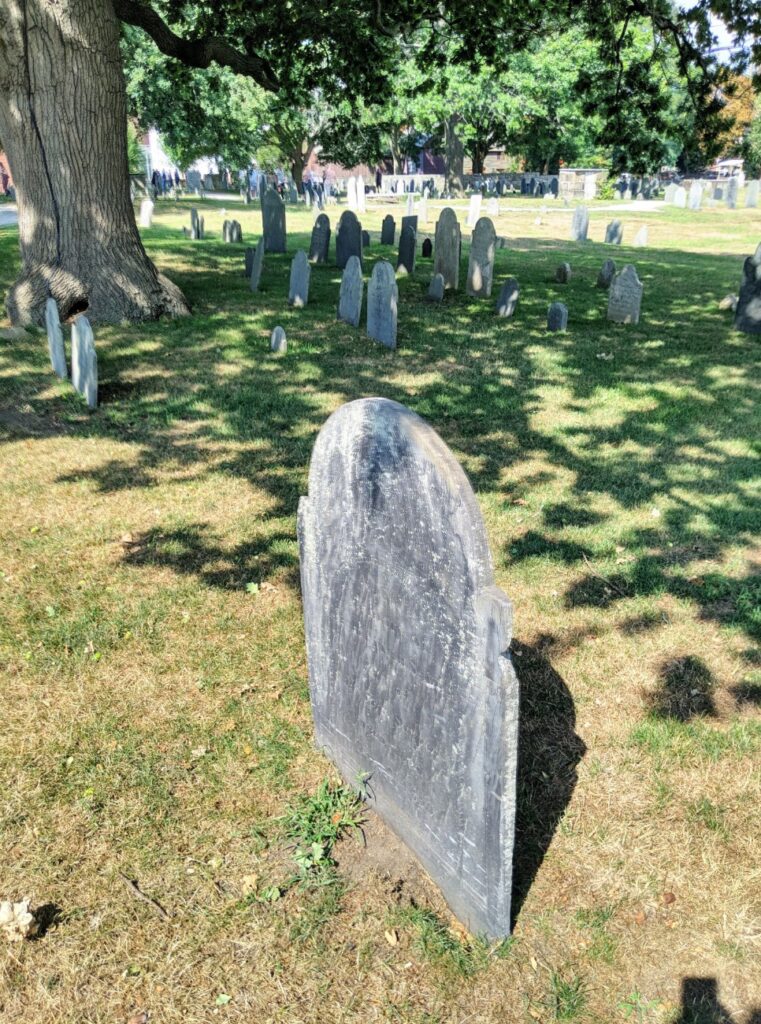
<point x="273" y="221"/>
<point x="614" y="233"/>
<point x="407" y="637"/>
<point x="557" y="317"/>
<point x="580" y="224"/>
<point x="298" y="290"/>
<point x="606" y="275"/>
<point x="319" y="244"/>
<point x="55" y="339"/>
<point x="350" y="294"/>
<point x="407" y="250"/>
<point x="446" y="252"/>
<point x="382" y="304"/>
<point x="348" y="239"/>
<point x="748" y="313"/>
<point x="388" y="230"/>
<point x="474" y="210"/>
<point x="257" y="263"/>
<point x="84" y="361"/>
<point x="751" y="194"/>
<point x="625" y="297"/>
<point x="411" y="221"/>
<point x="508" y="297"/>
<point x="481" y="262"/>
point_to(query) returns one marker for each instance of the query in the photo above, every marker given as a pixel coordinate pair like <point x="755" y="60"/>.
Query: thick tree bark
<point x="63" y="122"/>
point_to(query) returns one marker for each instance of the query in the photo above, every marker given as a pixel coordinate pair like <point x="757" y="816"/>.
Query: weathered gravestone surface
<point x="751" y="194"/>
<point x="474" y="210"/>
<point x="733" y="188"/>
<point x="580" y="224"/>
<point x="640" y="239"/>
<point x="350" y="294"/>
<point x="298" y="291"/>
<point x="557" y="317"/>
<point x="278" y="340"/>
<point x="407" y="637"/>
<point x="257" y="262"/>
<point x="427" y="248"/>
<point x="319" y="244"/>
<point x="348" y="239"/>
<point x="231" y="231"/>
<point x="382" y="304"/>
<point x="446" y="253"/>
<point x="146" y="213"/>
<point x="625" y="297"/>
<point x="481" y="262"/>
<point x="84" y="361"/>
<point x="695" y="196"/>
<point x="388" y="230"/>
<point x="436" y="289"/>
<point x="55" y="339"/>
<point x="614" y="233"/>
<point x="606" y="275"/>
<point x="508" y="297"/>
<point x="563" y="273"/>
<point x="680" y="197"/>
<point x="748" y="314"/>
<point x="273" y="221"/>
<point x="407" y="249"/>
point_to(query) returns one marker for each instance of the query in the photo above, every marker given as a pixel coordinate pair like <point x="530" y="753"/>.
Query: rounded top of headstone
<point x="448" y="215"/>
<point x="484" y="226"/>
<point x="348" y="217"/>
<point x="383" y="269"/>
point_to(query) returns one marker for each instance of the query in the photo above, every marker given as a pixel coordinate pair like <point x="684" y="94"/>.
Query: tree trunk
<point x="396" y="151"/>
<point x="455" y="155"/>
<point x="63" y="122"/>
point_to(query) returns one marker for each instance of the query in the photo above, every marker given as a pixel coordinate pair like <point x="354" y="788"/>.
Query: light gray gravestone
<point x="557" y="317"/>
<point x="748" y="313"/>
<point x="388" y="230"/>
<point x="422" y="210"/>
<point x="614" y="233"/>
<point x="351" y="193"/>
<point x="640" y="239"/>
<point x="84" y="361"/>
<point x="436" y="289"/>
<point x="350" y="294"/>
<point x="426" y="250"/>
<point x="361" y="205"/>
<point x="606" y="275"/>
<point x="193" y="221"/>
<point x="298" y="291"/>
<point x="193" y="180"/>
<point x="146" y="213"/>
<point x="257" y="263"/>
<point x="625" y="297"/>
<point x="563" y="273"/>
<point x="580" y="224"/>
<point x="508" y="297"/>
<point x="695" y="195"/>
<point x="348" y="239"/>
<point x="55" y="339"/>
<point x="411" y="684"/>
<point x="407" y="249"/>
<point x="481" y="262"/>
<point x="670" y="191"/>
<point x="273" y="221"/>
<point x="410" y="204"/>
<point x="278" y="340"/>
<point x="733" y="188"/>
<point x="751" y="194"/>
<point x="446" y="252"/>
<point x="492" y="207"/>
<point x="474" y="210"/>
<point x="680" y="197"/>
<point x="319" y="244"/>
<point x="382" y="304"/>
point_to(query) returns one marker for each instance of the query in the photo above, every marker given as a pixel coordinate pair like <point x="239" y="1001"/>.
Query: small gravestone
<point x="193" y="222"/>
<point x="427" y="249"/>
<point x="748" y="314"/>
<point x="695" y="195"/>
<point x="563" y="273"/>
<point x="273" y="221"/>
<point x="640" y="239"/>
<point x="474" y="210"/>
<point x="278" y="340"/>
<point x="55" y="339"/>
<point x="351" y="193"/>
<point x="407" y="247"/>
<point x="319" y="244"/>
<point x="751" y="194"/>
<point x="606" y="275"/>
<point x="298" y="291"/>
<point x="508" y="297"/>
<point x="350" y="295"/>
<point x="410" y="204"/>
<point x="625" y="297"/>
<point x="407" y="635"/>
<point x="733" y="188"/>
<point x="365" y="239"/>
<point x="348" y="239"/>
<point x="382" y="303"/>
<point x="680" y="197"/>
<point x="614" y="233"/>
<point x="492" y="207"/>
<point x="436" y="289"/>
<point x="718" y="192"/>
<point x="446" y="253"/>
<point x="257" y="262"/>
<point x="481" y="262"/>
<point x="201" y="228"/>
<point x="84" y="361"/>
<point x="580" y="224"/>
<point x="146" y="213"/>
<point x="388" y="230"/>
<point x="557" y="317"/>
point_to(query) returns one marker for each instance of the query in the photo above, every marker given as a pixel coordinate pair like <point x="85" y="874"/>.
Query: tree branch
<point x="196" y="53"/>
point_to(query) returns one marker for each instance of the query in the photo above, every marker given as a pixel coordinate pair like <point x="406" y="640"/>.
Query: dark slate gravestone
<point x="411" y="683"/>
<point x="436" y="289"/>
<point x="427" y="250"/>
<point x="411" y="220"/>
<point x="84" y="361"/>
<point x="388" y="230"/>
<point x="557" y="317"/>
<point x="298" y="290"/>
<point x="407" y="249"/>
<point x="249" y="259"/>
<point x="748" y="315"/>
<point x="320" y="241"/>
<point x="257" y="262"/>
<point x="606" y="275"/>
<point x="508" y="297"/>
<point x="348" y="239"/>
<point x="382" y="304"/>
<point x="481" y="263"/>
<point x="563" y="273"/>
<point x="365" y="239"/>
<point x="446" y="253"/>
<point x="350" y="295"/>
<point x="614" y="233"/>
<point x="273" y="221"/>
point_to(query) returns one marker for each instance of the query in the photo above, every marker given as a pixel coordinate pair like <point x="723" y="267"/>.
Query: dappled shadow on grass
<point x="700" y="1004"/>
<point x="686" y="690"/>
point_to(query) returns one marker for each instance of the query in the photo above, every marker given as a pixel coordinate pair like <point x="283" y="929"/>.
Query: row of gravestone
<point x="84" y="361"/>
<point x="728" y="189"/>
<point x="614" y="232"/>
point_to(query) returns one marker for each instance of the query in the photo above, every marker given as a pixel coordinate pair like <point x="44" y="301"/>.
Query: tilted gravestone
<point x="733" y="189"/>
<point x="508" y="297"/>
<point x="614" y="233"/>
<point x="751" y="194"/>
<point x="481" y="262"/>
<point x="446" y="253"/>
<point x="695" y="195"/>
<point x="382" y="304"/>
<point x="563" y="273"/>
<point x="606" y="275"/>
<point x="640" y="239"/>
<point x="411" y="684"/>
<point x="625" y="297"/>
<point x="388" y="230"/>
<point x="580" y="224"/>
<point x="55" y="339"/>
<point x="84" y="361"/>
<point x="278" y="340"/>
<point x="348" y="239"/>
<point x="474" y="210"/>
<point x="146" y="213"/>
<point x="436" y="289"/>
<point x="257" y="263"/>
<point x="273" y="221"/>
<point x="407" y="249"/>
<point x="748" y="313"/>
<point x="557" y="317"/>
<point x="350" y="294"/>
<point x="319" y="244"/>
<point x="298" y="291"/>
<point x="427" y="248"/>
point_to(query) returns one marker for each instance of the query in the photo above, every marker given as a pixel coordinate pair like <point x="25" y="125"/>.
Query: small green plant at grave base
<point x="439" y="945"/>
<point x="568" y="996"/>
<point x="637" y="1008"/>
<point x="315" y="824"/>
<point x="708" y="814"/>
<point x="603" y="946"/>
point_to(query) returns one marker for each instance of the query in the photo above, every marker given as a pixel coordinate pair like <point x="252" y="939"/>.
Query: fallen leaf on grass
<point x="392" y="937"/>
<point x="249" y="884"/>
<point x="640" y="917"/>
<point x="668" y="897"/>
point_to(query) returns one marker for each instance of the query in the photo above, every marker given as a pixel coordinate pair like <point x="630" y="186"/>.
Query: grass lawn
<point x="156" y="722"/>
